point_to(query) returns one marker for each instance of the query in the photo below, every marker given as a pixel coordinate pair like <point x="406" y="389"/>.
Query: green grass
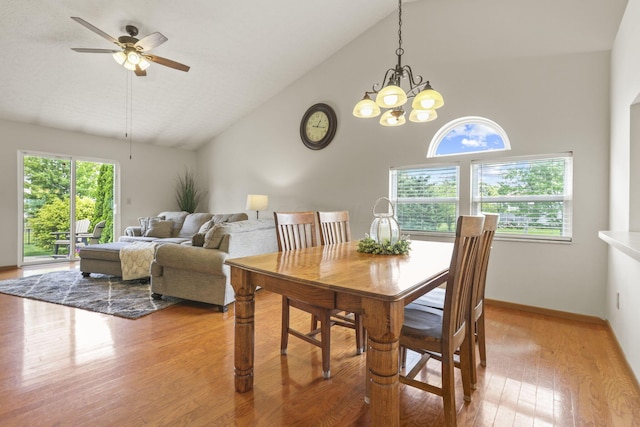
<point x="33" y="250"/>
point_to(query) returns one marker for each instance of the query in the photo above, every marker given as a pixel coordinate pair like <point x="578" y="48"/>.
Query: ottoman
<point x="103" y="258"/>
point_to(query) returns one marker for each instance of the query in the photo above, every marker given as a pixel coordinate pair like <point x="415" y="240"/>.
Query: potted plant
<point x="187" y="194"/>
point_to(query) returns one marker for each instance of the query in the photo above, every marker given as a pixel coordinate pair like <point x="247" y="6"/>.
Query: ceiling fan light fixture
<point x="143" y="64"/>
<point x="133" y="57"/>
<point x="120" y="57"/>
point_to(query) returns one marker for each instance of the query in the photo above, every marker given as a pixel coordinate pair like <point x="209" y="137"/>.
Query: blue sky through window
<point x="469" y="135"/>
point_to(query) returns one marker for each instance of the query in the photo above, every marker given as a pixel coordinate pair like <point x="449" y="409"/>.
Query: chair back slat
<point x="296" y="230"/>
<point x="82" y="225"/>
<point x="482" y="264"/>
<point x="334" y="227"/>
<point x="461" y="276"/>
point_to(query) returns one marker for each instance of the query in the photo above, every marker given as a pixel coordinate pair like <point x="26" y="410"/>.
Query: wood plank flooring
<point x="69" y="367"/>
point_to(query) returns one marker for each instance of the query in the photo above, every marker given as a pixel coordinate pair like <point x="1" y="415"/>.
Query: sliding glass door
<point x="63" y="201"/>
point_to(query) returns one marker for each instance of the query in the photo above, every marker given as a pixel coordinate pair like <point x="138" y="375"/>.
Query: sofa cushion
<point x="159" y="228"/>
<point x="192" y="223"/>
<point x="177" y="218"/>
<point x="218" y="218"/>
<point x="144" y="222"/>
<point x="214" y="236"/>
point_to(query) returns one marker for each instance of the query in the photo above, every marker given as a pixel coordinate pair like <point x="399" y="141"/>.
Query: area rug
<point x="106" y="294"/>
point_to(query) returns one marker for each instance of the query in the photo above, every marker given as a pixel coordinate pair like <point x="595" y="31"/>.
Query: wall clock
<point x="318" y="126"/>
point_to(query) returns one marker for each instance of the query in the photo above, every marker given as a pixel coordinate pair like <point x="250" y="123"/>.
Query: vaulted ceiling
<point x="241" y="53"/>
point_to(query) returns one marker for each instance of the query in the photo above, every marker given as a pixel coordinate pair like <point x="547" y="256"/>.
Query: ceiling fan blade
<point x="167" y="62"/>
<point x="95" y="30"/>
<point x="140" y="72"/>
<point x="150" y="41"/>
<point x="89" y="50"/>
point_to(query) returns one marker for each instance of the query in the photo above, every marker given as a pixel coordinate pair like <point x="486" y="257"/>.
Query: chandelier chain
<point x="400" y="51"/>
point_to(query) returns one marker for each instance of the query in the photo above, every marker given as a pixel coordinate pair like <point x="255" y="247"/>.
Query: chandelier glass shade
<point x="393" y="97"/>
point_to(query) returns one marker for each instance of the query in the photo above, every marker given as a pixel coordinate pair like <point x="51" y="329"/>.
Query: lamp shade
<point x="390" y="119"/>
<point x="428" y="99"/>
<point x="422" y="116"/>
<point x="391" y="96"/>
<point x="257" y="202"/>
<point x="366" y="108"/>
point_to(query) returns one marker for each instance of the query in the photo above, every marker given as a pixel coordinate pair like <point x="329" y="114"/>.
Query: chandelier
<point x="391" y="96"/>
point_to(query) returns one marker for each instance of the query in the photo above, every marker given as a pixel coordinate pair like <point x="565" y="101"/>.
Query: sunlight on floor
<point x="89" y="339"/>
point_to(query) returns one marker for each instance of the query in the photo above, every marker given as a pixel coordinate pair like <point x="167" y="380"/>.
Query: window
<point x="533" y="195"/>
<point x="468" y="135"/>
<point x="426" y="198"/>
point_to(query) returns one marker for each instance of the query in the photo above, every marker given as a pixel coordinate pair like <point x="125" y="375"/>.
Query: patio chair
<point x="82" y="227"/>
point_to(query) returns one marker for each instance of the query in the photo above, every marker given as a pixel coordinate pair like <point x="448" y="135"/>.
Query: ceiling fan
<point x="133" y="52"/>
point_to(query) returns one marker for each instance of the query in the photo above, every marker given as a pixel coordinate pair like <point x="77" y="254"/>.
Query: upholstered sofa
<point x="176" y="227"/>
<point x="198" y="273"/>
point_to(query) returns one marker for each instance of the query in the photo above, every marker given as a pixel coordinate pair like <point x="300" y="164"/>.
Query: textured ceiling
<point x="239" y="50"/>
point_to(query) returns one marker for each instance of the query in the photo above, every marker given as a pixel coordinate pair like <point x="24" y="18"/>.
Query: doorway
<point x="64" y="198"/>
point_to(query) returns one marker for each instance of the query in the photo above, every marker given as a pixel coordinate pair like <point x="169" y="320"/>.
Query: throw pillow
<point x="198" y="239"/>
<point x="206" y="227"/>
<point x="159" y="228"/>
<point x="212" y="239"/>
<point x="144" y="222"/>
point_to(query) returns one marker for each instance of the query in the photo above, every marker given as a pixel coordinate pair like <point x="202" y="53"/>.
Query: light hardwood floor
<point x="70" y="367"/>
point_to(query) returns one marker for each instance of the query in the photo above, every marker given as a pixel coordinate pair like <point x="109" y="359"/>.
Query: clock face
<point x="318" y="126"/>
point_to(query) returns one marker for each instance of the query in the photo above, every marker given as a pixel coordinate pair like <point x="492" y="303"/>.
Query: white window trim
<point x="566" y="198"/>
<point x="444" y="131"/>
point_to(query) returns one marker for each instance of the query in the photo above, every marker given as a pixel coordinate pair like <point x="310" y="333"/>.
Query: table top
<point x="342" y="268"/>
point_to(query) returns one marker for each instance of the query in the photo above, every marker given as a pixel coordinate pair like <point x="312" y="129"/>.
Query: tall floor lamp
<point x="257" y="202"/>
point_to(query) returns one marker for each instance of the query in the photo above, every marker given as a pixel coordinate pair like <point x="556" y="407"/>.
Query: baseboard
<point x="621" y="353"/>
<point x="546" y="311"/>
<point x="8" y="267"/>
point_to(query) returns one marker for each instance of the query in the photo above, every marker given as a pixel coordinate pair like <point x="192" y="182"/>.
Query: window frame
<point x="396" y="200"/>
<point x="566" y="198"/>
<point x="471" y="120"/>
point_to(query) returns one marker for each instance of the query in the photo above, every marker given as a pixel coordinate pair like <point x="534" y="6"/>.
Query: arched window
<point x="468" y="135"/>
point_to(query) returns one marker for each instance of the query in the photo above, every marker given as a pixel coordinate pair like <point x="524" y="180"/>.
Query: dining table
<point x="338" y="276"/>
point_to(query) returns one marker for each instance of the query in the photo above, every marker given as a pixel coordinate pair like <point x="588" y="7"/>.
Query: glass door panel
<point x="63" y="201"/>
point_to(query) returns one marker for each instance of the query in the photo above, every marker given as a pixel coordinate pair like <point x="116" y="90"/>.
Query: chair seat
<point x="434" y="299"/>
<point x="422" y="322"/>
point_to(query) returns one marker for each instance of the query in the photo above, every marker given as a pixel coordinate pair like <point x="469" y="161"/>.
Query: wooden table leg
<point x="244" y="329"/>
<point x="383" y="322"/>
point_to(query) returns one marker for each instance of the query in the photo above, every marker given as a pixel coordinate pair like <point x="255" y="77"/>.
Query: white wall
<point x="623" y="271"/>
<point x="147" y="180"/>
<point x="545" y="104"/>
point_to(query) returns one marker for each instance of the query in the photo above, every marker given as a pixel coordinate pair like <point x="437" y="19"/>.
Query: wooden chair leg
<point x="448" y="390"/>
<point x="360" y="344"/>
<point x="284" y="339"/>
<point x="482" y="345"/>
<point x="470" y="344"/>
<point x="467" y="361"/>
<point x="325" y="334"/>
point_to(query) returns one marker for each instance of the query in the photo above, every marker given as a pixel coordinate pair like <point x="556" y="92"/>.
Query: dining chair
<point x="334" y="228"/>
<point x="298" y="230"/>
<point x="425" y="331"/>
<point x="435" y="298"/>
